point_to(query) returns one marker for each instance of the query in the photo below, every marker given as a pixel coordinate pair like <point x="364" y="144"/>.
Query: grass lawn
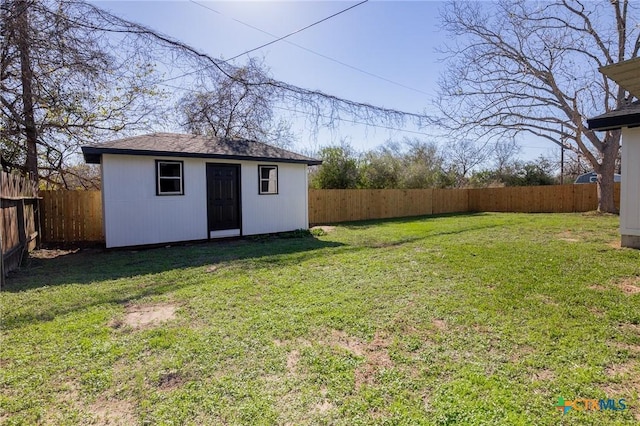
<point x="482" y="319"/>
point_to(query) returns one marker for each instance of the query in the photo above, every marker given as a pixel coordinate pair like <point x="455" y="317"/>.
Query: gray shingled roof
<point x="626" y="116"/>
<point x="181" y="145"/>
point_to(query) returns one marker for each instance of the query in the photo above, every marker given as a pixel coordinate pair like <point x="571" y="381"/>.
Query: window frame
<point x="261" y="179"/>
<point x="159" y="177"/>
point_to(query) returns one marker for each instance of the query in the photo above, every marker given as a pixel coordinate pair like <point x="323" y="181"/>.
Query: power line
<point x="297" y="31"/>
<point x="258" y="29"/>
<point x="319" y="115"/>
<point x="358" y="122"/>
<point x="307" y="50"/>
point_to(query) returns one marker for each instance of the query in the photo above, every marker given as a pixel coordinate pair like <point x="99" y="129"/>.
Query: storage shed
<point x="627" y="118"/>
<point x="166" y="187"/>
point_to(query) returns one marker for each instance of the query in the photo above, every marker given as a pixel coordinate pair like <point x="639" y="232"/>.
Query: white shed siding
<point x="630" y="195"/>
<point x="135" y="215"/>
<point x="284" y="211"/>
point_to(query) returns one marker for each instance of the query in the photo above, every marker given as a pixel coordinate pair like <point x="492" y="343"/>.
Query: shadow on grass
<point x="88" y="266"/>
<point x="364" y="224"/>
<point x="93" y="277"/>
<point x="102" y="274"/>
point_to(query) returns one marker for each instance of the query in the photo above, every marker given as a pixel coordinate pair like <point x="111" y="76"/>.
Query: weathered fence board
<point x="19" y="221"/>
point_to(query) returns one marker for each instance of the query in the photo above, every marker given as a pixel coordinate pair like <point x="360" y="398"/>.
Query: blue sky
<point x="395" y="40"/>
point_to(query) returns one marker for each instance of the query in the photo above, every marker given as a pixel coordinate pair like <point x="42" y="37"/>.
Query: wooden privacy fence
<point x="538" y="199"/>
<point x="19" y="221"/>
<point x="343" y="205"/>
<point x="71" y="216"/>
<point x="76" y="216"/>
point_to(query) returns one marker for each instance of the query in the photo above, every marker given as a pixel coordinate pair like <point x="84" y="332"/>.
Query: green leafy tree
<point x="381" y="168"/>
<point x="532" y="173"/>
<point x="411" y="163"/>
<point x="339" y="169"/>
<point x="423" y="166"/>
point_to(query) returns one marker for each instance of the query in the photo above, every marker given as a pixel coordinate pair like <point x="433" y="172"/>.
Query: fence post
<point x="1" y="252"/>
<point x="1" y="229"/>
<point x="36" y="219"/>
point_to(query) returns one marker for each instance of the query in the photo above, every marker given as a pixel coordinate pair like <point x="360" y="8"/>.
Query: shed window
<point x="169" y="178"/>
<point x="268" y="176"/>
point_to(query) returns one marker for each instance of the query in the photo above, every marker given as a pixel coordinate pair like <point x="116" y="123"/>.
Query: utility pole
<point x="562" y="139"/>
<point x="21" y="13"/>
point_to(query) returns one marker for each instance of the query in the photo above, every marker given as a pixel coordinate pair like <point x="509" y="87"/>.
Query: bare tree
<point x="504" y="154"/>
<point x="520" y="67"/>
<point x="463" y="155"/>
<point x="64" y="85"/>
<point x="90" y="74"/>
<point x="235" y="109"/>
<point x="575" y="165"/>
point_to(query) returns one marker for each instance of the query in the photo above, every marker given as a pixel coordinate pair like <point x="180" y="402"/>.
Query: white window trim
<point x="159" y="178"/>
<point x="261" y="179"/>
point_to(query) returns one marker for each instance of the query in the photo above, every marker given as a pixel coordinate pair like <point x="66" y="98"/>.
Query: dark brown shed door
<point x="223" y="196"/>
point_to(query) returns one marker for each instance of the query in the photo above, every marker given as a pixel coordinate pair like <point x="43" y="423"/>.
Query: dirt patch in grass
<point x="140" y="316"/>
<point x="543" y="375"/>
<point x="630" y="328"/>
<point x="568" y="236"/>
<point x="569" y="240"/>
<point x="170" y="380"/>
<point x="627" y="347"/>
<point x="114" y="412"/>
<point x="598" y="287"/>
<point x="615" y="244"/>
<point x="324" y="228"/>
<point x="349" y="343"/>
<point x="51" y="253"/>
<point x="439" y="324"/>
<point x="520" y="353"/>
<point x="377" y="358"/>
<point x="323" y="407"/>
<point x="626" y="388"/>
<point x="617" y="370"/>
<point x="293" y="358"/>
<point x="375" y="354"/>
<point x="630" y="285"/>
<point x="68" y="398"/>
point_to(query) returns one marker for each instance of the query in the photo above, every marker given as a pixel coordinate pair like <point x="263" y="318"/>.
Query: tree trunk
<point x="606" y="191"/>
<point x="605" y="172"/>
<point x="31" y="133"/>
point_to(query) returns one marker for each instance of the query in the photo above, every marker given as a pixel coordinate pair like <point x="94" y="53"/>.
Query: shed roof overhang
<point x="627" y="75"/>
<point x="92" y="155"/>
<point x="627" y="116"/>
<point x="194" y="146"/>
